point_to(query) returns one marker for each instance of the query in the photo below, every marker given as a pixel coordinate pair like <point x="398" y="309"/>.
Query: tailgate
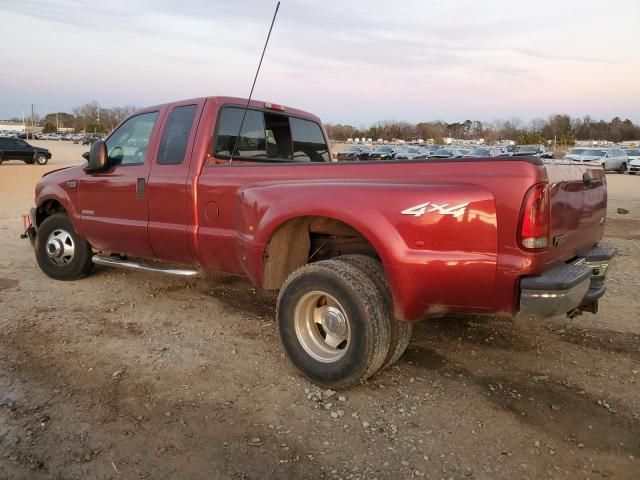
<point x="578" y="196"/>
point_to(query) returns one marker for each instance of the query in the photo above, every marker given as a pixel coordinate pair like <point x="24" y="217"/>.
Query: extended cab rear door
<point x="169" y="187"/>
<point x="113" y="203"/>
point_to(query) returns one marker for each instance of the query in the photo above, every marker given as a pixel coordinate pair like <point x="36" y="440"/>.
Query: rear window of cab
<point x="268" y="137"/>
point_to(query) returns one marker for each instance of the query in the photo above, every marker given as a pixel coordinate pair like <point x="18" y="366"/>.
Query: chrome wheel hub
<point x="60" y="247"/>
<point x="322" y="327"/>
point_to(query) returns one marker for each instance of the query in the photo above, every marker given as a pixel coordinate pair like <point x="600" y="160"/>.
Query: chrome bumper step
<point x="110" y="261"/>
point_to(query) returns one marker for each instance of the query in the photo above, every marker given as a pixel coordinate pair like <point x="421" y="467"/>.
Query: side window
<point x="250" y="145"/>
<point x="308" y="141"/>
<point x="173" y="144"/>
<point x="128" y="144"/>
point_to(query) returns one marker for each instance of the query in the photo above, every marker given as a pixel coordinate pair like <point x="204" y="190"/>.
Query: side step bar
<point x="146" y="267"/>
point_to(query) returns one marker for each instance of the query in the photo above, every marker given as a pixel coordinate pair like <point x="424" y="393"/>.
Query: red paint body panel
<point x="221" y="216"/>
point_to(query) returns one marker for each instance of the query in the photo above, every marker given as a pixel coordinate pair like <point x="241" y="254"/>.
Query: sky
<point x="352" y="62"/>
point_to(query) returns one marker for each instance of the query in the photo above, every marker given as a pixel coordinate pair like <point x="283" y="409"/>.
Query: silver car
<point x="633" y="154"/>
<point x="575" y="154"/>
<point x="614" y="159"/>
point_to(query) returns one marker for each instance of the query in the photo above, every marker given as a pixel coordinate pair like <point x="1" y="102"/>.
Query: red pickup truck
<point x="358" y="251"/>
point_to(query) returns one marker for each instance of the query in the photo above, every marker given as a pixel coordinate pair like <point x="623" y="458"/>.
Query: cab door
<point x="169" y="187"/>
<point x="113" y="203"/>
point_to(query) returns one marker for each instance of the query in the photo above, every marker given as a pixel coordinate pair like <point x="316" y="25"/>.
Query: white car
<point x="611" y="159"/>
<point x="633" y="154"/>
<point x="575" y="154"/>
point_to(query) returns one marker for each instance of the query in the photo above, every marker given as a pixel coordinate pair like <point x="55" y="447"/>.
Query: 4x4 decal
<point x="443" y="209"/>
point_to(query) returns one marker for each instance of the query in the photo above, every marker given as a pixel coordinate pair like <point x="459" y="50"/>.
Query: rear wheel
<point x="41" y="159"/>
<point x="333" y="323"/>
<point x="400" y="331"/>
<point x="62" y="253"/>
<point x="623" y="168"/>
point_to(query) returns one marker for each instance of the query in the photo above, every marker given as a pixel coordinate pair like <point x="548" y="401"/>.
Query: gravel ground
<point x="125" y="375"/>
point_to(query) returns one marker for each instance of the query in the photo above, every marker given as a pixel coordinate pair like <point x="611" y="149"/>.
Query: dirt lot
<point x="127" y="375"/>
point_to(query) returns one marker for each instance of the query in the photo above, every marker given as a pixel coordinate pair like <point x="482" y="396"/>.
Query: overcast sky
<point x="352" y="61"/>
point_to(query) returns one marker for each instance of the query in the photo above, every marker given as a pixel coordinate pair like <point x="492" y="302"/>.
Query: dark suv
<point x="17" y="149"/>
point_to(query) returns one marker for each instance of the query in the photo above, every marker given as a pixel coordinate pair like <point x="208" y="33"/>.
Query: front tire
<point x="623" y="168"/>
<point x="61" y="253"/>
<point x="41" y="159"/>
<point x="333" y="323"/>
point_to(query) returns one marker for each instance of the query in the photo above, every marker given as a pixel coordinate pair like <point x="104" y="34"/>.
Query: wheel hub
<point x="322" y="326"/>
<point x="54" y="248"/>
<point x="334" y="322"/>
<point x="60" y="247"/>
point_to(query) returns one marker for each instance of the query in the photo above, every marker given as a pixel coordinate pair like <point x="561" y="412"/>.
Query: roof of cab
<point x="242" y="102"/>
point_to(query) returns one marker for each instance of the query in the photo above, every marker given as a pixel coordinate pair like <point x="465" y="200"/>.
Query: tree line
<point x="89" y="118"/>
<point x="562" y="128"/>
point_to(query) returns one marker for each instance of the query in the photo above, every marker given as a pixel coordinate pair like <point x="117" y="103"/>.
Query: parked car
<point x="532" y="150"/>
<point x="354" y="153"/>
<point x="633" y="156"/>
<point x="575" y="154"/>
<point x="611" y="159"/>
<point x="385" y="152"/>
<point x="484" y="152"/>
<point x="358" y="250"/>
<point x="409" y="153"/>
<point x="448" y="152"/>
<point x="17" y="149"/>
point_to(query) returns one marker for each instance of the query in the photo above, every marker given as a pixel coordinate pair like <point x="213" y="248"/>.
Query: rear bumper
<point x="568" y="288"/>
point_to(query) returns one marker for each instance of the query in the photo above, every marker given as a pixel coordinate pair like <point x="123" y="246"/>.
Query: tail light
<point x="534" y="218"/>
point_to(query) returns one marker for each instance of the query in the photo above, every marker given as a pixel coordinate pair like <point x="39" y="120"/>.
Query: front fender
<point x="59" y="194"/>
<point x="432" y="259"/>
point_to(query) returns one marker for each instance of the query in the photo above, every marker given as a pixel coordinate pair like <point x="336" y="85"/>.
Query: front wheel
<point x="630" y="173"/>
<point x="623" y="168"/>
<point x="41" y="159"/>
<point x="61" y="253"/>
<point x="333" y="323"/>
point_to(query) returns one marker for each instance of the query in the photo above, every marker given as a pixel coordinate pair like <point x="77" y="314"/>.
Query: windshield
<point x="481" y="152"/>
<point x="526" y="149"/>
<point x="413" y="150"/>
<point x="442" y="152"/>
<point x="576" y="151"/>
<point x="633" y="153"/>
<point x="384" y="149"/>
<point x="594" y="153"/>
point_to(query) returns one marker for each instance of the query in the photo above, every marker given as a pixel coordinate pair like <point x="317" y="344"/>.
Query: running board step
<point x="145" y="267"/>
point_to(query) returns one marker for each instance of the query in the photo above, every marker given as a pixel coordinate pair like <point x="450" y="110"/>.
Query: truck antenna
<point x="244" y="114"/>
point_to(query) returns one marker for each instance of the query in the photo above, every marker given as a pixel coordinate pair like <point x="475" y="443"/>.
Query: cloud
<point x="356" y="59"/>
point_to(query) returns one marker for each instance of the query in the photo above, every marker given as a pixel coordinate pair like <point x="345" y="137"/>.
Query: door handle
<point x="140" y="187"/>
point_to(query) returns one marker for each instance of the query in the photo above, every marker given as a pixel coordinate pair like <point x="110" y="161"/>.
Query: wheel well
<point x="309" y="239"/>
<point x="47" y="209"/>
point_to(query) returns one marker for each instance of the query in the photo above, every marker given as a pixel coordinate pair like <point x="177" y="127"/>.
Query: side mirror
<point x="97" y="157"/>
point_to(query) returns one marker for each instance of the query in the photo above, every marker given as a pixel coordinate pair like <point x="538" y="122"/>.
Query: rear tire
<point x="333" y="323"/>
<point x="61" y="253"/>
<point x="400" y="331"/>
